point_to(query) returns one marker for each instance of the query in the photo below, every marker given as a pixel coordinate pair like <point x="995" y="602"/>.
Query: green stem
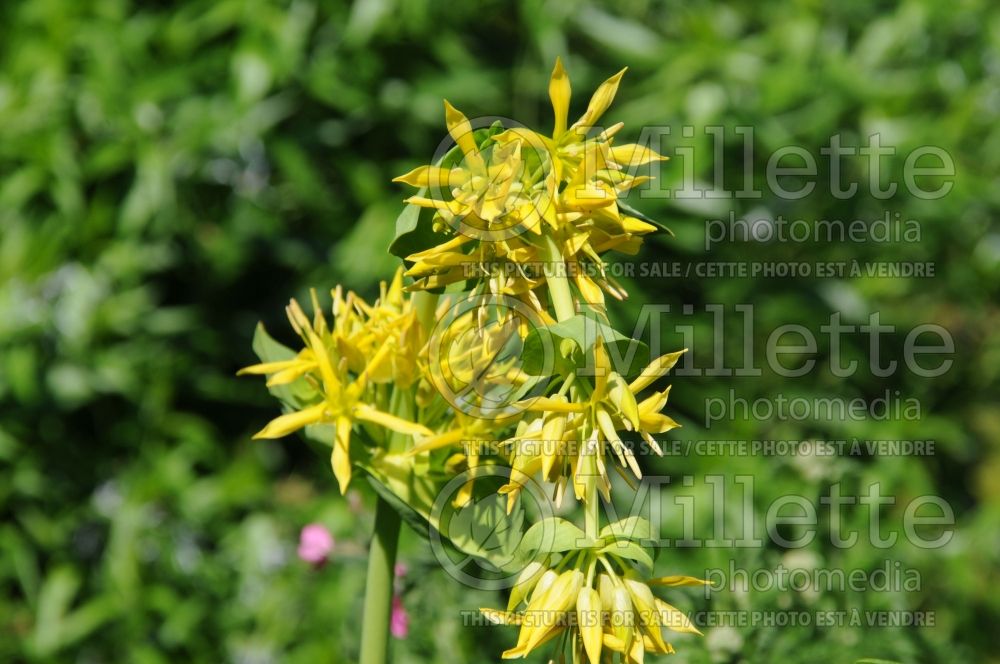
<point x="425" y="304"/>
<point x="555" y="277"/>
<point x="378" y="587"/>
<point x="591" y="514"/>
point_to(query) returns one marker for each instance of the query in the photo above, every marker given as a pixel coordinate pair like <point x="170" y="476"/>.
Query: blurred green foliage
<point x="171" y="172"/>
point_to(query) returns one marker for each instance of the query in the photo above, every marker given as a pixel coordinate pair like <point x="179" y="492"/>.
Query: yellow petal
<point x="558" y="599"/>
<point x="634" y="154"/>
<point x="291" y="374"/>
<point x="589" y="196"/>
<point x="674" y="619"/>
<point x="677" y="580"/>
<point x="600" y="102"/>
<point x="302" y="325"/>
<point x="526" y="580"/>
<point x="588" y="609"/>
<point x="518" y="652"/>
<point x="602" y="367"/>
<point x="553" y="405"/>
<point x="291" y="422"/>
<point x="369" y="414"/>
<point x="657" y="423"/>
<point x="636" y="226"/>
<point x="656" y="368"/>
<point x="340" y="459"/>
<point x="559" y="94"/>
<point x="268" y="367"/>
<point x="553" y="429"/>
<point x="544" y="583"/>
<point x="500" y="617"/>
<point x="623" y="399"/>
<point x="622" y="617"/>
<point x="439" y="441"/>
<point x="434" y="177"/>
<point x="589" y="290"/>
<point x="532" y="139"/>
<point x="445" y="247"/>
<point x="461" y="130"/>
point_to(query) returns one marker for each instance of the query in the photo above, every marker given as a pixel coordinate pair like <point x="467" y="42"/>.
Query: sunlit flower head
<point x="574" y="430"/>
<point x="344" y="364"/>
<point x="503" y="191"/>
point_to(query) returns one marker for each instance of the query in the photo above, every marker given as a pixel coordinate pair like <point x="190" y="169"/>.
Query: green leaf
<point x="631" y="551"/>
<point x="294" y="395"/>
<point x="482" y="528"/>
<point x="634" y="528"/>
<point x="418" y="522"/>
<point x="414" y="231"/>
<point x="551" y="535"/>
<point x="414" y="225"/>
<point x="544" y="346"/>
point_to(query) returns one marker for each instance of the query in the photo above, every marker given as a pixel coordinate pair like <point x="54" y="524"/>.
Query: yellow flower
<point x="471" y="435"/>
<point x="521" y="184"/>
<point x="366" y="346"/>
<point x="580" y="429"/>
<point x="592" y="173"/>
<point x="608" y="609"/>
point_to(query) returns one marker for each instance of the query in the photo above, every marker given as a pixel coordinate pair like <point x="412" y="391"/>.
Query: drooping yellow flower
<point x="606" y="610"/>
<point x="367" y="345"/>
<point x="582" y="427"/>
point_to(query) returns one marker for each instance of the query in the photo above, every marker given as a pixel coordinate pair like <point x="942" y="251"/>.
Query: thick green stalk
<point x="558" y="283"/>
<point x="562" y="300"/>
<point x="591" y="508"/>
<point x="378" y="587"/>
<point x="591" y="517"/>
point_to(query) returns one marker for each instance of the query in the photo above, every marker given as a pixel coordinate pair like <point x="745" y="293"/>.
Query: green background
<point x="172" y="173"/>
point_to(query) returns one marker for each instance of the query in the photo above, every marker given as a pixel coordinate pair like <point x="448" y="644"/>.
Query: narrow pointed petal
<point x="461" y="131"/>
<point x="440" y="440"/>
<point x="634" y="154"/>
<point x="675" y="619"/>
<point x="553" y="405"/>
<point x="500" y="617"/>
<point x="559" y="93"/>
<point x="600" y="102"/>
<point x="656" y="368"/>
<point x="340" y="458"/>
<point x="369" y="414"/>
<point x="433" y="177"/>
<point x="268" y="367"/>
<point x="588" y="608"/>
<point x="677" y="580"/>
<point x="291" y="422"/>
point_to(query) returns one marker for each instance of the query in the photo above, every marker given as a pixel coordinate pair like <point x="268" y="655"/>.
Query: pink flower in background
<point x="401" y="570"/>
<point x="315" y="544"/>
<point x="400" y="624"/>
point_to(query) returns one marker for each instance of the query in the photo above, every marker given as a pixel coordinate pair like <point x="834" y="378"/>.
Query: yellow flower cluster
<point x="509" y="196"/>
<point x="593" y="613"/>
<point x="568" y="437"/>
<point x="349" y="365"/>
